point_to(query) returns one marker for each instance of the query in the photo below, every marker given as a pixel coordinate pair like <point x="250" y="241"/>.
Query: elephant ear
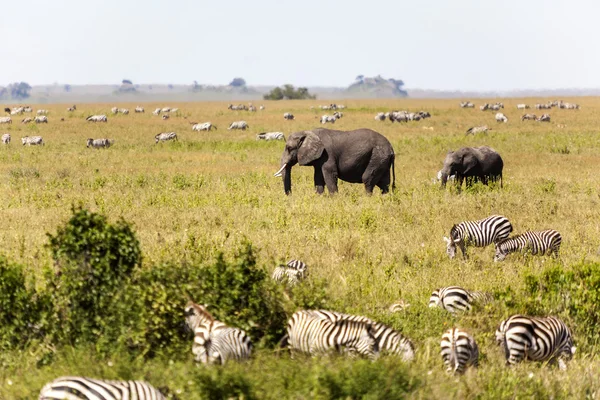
<point x="469" y="162"/>
<point x="310" y="149"/>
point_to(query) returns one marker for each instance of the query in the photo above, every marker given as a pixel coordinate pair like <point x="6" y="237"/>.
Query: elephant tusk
<point x="278" y="173"/>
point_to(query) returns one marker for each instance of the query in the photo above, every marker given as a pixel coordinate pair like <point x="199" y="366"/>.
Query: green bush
<point x="573" y="294"/>
<point x="94" y="259"/>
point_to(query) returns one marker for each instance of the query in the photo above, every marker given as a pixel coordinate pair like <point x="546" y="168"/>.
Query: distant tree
<point x="238" y="82"/>
<point x="19" y="91"/>
<point x="126" y="86"/>
<point x="3" y="92"/>
<point x="67" y="88"/>
<point x="126" y="82"/>
<point x="289" y="93"/>
<point x="359" y="78"/>
<point x="170" y="86"/>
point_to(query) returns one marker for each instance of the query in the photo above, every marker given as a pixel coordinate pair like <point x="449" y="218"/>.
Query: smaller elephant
<point x="473" y="163"/>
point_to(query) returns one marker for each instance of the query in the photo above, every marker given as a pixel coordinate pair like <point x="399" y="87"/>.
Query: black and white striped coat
<point x="288" y="116"/>
<point x="97" y="118"/>
<point x="500" y="117"/>
<point x="320" y="332"/>
<point x="6" y="138"/>
<point x="477" y="233"/>
<point x="5" y="120"/>
<point x="328" y="119"/>
<point x="139" y="109"/>
<point x="205" y="126"/>
<point x="477" y="129"/>
<point x="42" y="112"/>
<point x="41" y="119"/>
<point x="528" y="117"/>
<point x="32" y="141"/>
<point x="543" y="243"/>
<point x="27" y="120"/>
<point x="459" y="351"/>
<point x="156" y="111"/>
<point x="380" y="117"/>
<point x="99" y="143"/>
<point x="72" y="108"/>
<point x="165" y="136"/>
<point x="466" y="104"/>
<point x="535" y="339"/>
<point x="76" y="387"/>
<point x="270" y="136"/>
<point x="214" y="341"/>
<point x="294" y="272"/>
<point x="456" y="298"/>
<point x="522" y="106"/>
<point x="243" y="125"/>
<point x="544" y="118"/>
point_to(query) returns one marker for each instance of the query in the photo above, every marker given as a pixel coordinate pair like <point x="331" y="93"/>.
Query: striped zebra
<point x="76" y="387"/>
<point x="124" y="111"/>
<point x="542" y="243"/>
<point x="500" y="117"/>
<point x="97" y="118"/>
<point x="320" y="332"/>
<point x="288" y="116"/>
<point x="139" y="109"/>
<point x="380" y="117"/>
<point x="328" y="118"/>
<point x="40" y="119"/>
<point x="166" y="116"/>
<point x="72" y="108"/>
<point x="6" y="138"/>
<point x="544" y="118"/>
<point x="206" y="126"/>
<point x="535" y="339"/>
<point x="27" y="120"/>
<point x="99" y="143"/>
<point x="456" y="298"/>
<point x="466" y="104"/>
<point x="478" y="129"/>
<point x="459" y="351"/>
<point x="42" y="112"/>
<point x="165" y="136"/>
<point x="399" y="306"/>
<point x="243" y="125"/>
<point x="32" y="140"/>
<point x="5" y="120"/>
<point x="215" y="342"/>
<point x="166" y="109"/>
<point x="114" y="110"/>
<point x="294" y="272"/>
<point x="270" y="136"/>
<point x="477" y="233"/>
<point x="156" y="111"/>
<point x="528" y="117"/>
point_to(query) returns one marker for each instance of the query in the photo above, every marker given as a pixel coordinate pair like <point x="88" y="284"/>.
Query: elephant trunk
<point x="287" y="179"/>
<point x="444" y="179"/>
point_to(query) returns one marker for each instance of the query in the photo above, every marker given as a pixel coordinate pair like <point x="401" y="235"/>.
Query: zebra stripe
<point x="98" y="143"/>
<point x="97" y="118"/>
<point x="74" y="387"/>
<point x="536" y="339"/>
<point x="459" y="351"/>
<point x="456" y="298"/>
<point x="243" y="125"/>
<point x="165" y="136"/>
<point x="321" y="332"/>
<point x="477" y="233"/>
<point x="6" y="138"/>
<point x="542" y="243"/>
<point x="294" y="272"/>
<point x="32" y="140"/>
<point x="215" y="342"/>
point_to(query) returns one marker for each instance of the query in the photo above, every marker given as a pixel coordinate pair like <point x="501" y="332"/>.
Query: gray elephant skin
<point x="359" y="156"/>
<point x="473" y="163"/>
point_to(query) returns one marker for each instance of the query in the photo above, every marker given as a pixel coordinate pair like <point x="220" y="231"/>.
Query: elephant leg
<point x="330" y="175"/>
<point x="374" y="175"/>
<point x="319" y="180"/>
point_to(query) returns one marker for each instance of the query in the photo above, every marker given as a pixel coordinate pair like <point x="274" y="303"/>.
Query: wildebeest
<point x="206" y="126"/>
<point x="270" y="136"/>
<point x="32" y="141"/>
<point x="288" y="116"/>
<point x="243" y="125"/>
<point x="544" y="118"/>
<point x="528" y="117"/>
<point x="7" y="110"/>
<point x="41" y="119"/>
<point x="501" y="118"/>
<point x="97" y="118"/>
<point x="99" y="143"/>
<point x="165" y="136"/>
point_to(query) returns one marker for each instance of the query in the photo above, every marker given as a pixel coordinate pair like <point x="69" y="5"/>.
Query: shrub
<point x="94" y="260"/>
<point x="288" y="92"/>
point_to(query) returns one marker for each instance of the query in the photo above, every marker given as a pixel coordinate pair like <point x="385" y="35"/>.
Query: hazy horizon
<point x="464" y="45"/>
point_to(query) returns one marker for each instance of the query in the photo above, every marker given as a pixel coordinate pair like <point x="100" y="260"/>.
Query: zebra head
<point x="451" y="246"/>
<point x="196" y="315"/>
<point x="500" y="254"/>
<point x="89" y="142"/>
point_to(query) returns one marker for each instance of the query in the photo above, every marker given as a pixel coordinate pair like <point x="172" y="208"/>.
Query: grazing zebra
<point x="544" y="118"/>
<point x="328" y="119"/>
<point x="165" y="136"/>
<point x="522" y="107"/>
<point x="320" y="332"/>
<point x="239" y="125"/>
<point x="97" y="118"/>
<point x="76" y="387"/>
<point x="251" y="108"/>
<point x="32" y="140"/>
<point x="17" y="110"/>
<point x="398" y="306"/>
<point x="459" y="351"/>
<point x="114" y="110"/>
<point x="27" y="120"/>
<point x="500" y="117"/>
<point x="166" y="116"/>
<point x="535" y="339"/>
<point x="288" y="116"/>
<point x="338" y="114"/>
<point x="478" y="129"/>
<point x="124" y="111"/>
<point x="166" y="109"/>
<point x="41" y="119"/>
<point x="239" y="107"/>
<point x="6" y="138"/>
<point x="294" y="272"/>
<point x="495" y="107"/>
<point x="542" y="243"/>
<point x="398" y="116"/>
<point x="477" y="233"/>
<point x="380" y="117"/>
<point x="484" y="107"/>
<point x="270" y="136"/>
<point x="99" y="143"/>
<point x="543" y="106"/>
<point x="528" y="117"/>
<point x="206" y="126"/>
<point x="466" y="104"/>
<point x="455" y="298"/>
<point x="27" y="109"/>
<point x="139" y="109"/>
<point x="215" y="342"/>
<point x="5" y="120"/>
<point x="72" y="108"/>
<point x="42" y="112"/>
<point x="156" y="112"/>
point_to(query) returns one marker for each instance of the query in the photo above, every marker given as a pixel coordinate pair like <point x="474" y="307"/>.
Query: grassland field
<point x="215" y="188"/>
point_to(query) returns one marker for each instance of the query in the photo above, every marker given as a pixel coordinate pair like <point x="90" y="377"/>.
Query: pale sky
<point x="434" y="44"/>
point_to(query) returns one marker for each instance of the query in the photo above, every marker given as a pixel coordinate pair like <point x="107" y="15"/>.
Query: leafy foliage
<point x="19" y="90"/>
<point x="288" y="93"/>
<point x="238" y="82"/>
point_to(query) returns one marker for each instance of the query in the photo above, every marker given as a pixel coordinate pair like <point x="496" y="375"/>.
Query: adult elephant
<point x="359" y="156"/>
<point x="473" y="163"/>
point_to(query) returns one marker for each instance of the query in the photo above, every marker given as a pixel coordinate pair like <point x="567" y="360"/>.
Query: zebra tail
<point x="393" y="172"/>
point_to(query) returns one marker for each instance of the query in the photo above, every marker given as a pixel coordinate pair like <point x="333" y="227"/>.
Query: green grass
<point x="215" y="188"/>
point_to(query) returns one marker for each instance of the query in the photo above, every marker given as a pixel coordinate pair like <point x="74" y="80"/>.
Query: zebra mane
<point x="200" y="310"/>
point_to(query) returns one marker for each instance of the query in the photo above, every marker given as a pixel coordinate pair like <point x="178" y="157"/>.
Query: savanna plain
<point x="214" y="192"/>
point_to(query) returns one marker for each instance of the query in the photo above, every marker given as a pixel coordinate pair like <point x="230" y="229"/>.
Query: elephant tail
<point x="393" y="172"/>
